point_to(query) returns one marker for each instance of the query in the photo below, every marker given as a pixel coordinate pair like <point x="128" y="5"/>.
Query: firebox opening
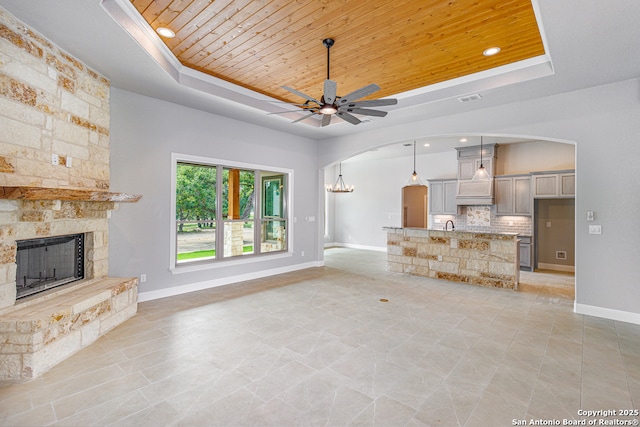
<point x="48" y="262"/>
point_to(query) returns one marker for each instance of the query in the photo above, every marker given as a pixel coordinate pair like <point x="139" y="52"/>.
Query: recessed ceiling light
<point x="463" y="139"/>
<point x="491" y="51"/>
<point x="165" y="32"/>
<point x="427" y="145"/>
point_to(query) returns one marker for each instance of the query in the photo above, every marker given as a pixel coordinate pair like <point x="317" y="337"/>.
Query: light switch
<point x="595" y="229"/>
<point x="548" y="224"/>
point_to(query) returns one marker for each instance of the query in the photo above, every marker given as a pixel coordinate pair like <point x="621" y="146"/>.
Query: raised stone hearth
<point x="38" y="333"/>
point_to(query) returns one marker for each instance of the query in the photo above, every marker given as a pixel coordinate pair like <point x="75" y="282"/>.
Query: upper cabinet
<point x="469" y="160"/>
<point x="442" y="197"/>
<point x="513" y="195"/>
<point x="560" y="184"/>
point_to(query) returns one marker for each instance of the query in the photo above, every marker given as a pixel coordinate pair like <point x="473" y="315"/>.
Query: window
<point x="222" y="209"/>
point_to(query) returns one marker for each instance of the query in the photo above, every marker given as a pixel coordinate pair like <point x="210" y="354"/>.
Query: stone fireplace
<point x="42" y="329"/>
<point x="48" y="262"/>
<point x="54" y="181"/>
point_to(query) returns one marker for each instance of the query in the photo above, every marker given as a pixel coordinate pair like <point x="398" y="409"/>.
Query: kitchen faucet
<point x="446" y="226"/>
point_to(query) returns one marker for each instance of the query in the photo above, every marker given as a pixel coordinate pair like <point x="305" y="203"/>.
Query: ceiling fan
<point x="343" y="106"/>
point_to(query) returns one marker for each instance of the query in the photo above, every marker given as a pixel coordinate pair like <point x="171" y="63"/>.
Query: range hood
<point x="469" y="192"/>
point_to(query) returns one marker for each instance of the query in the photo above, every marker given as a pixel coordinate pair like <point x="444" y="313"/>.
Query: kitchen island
<point x="475" y="258"/>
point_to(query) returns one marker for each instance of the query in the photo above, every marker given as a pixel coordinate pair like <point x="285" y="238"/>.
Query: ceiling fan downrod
<point x="328" y="43"/>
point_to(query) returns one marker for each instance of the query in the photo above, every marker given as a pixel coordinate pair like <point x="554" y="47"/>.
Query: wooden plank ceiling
<point x="400" y="45"/>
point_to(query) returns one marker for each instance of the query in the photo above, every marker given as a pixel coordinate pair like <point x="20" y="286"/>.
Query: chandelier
<point x="340" y="186"/>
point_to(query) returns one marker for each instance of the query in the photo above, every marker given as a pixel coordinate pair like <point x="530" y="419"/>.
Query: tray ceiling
<point x="400" y="45"/>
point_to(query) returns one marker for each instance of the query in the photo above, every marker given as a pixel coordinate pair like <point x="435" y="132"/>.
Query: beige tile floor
<point x="320" y="348"/>
<point x="549" y="282"/>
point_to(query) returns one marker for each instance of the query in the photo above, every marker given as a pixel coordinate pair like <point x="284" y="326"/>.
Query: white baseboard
<point x="557" y="267"/>
<point x="607" y="313"/>
<point x="192" y="287"/>
<point x="352" y="246"/>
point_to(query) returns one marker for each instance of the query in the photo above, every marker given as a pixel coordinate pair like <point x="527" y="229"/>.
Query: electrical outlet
<point x="55" y="159"/>
<point x="590" y="216"/>
<point x="595" y="229"/>
<point x="143" y="278"/>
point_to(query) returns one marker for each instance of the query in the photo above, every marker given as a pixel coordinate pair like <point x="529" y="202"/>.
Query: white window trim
<point x="198" y="266"/>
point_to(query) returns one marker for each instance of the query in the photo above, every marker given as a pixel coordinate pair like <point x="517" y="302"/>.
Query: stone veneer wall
<point x="50" y="103"/>
<point x="475" y="258"/>
<point x="53" y="104"/>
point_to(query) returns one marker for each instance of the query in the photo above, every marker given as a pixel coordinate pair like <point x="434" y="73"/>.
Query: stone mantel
<point x="42" y="193"/>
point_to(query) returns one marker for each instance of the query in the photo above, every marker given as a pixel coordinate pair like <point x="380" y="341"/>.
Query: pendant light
<point x="481" y="174"/>
<point x="339" y="186"/>
<point x="414" y="179"/>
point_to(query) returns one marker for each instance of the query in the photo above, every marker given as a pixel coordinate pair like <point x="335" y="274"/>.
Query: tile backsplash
<point x="484" y="218"/>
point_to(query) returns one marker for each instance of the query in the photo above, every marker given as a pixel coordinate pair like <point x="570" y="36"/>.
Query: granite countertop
<point x="453" y="231"/>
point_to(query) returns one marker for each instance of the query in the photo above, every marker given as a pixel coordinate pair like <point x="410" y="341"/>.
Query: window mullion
<point x="257" y="209"/>
<point x="219" y="220"/>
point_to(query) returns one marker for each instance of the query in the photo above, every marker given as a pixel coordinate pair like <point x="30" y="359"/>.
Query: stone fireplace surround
<point x="54" y="180"/>
<point x="39" y="331"/>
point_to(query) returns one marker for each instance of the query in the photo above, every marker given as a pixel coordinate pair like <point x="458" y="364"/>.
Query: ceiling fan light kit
<point x="342" y="106"/>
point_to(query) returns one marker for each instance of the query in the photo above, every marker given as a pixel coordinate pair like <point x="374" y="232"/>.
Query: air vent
<point x="472" y="97"/>
<point x="561" y="255"/>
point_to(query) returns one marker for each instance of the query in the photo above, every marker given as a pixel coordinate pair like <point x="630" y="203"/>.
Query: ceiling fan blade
<point x="303" y="117"/>
<point x="302" y="95"/>
<point x="371" y="103"/>
<point x="348" y="117"/>
<point x="366" y="112"/>
<point x="288" y="103"/>
<point x="291" y="111"/>
<point x="330" y="89"/>
<point x="326" y="119"/>
<point x="360" y="93"/>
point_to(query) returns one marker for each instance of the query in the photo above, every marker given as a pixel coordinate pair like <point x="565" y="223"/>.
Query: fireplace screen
<point x="48" y="262"/>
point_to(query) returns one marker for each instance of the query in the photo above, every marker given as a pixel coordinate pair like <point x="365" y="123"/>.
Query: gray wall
<point x="144" y="132"/>
<point x="604" y="123"/>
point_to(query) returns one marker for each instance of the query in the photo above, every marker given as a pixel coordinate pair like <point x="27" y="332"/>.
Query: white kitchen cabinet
<point x="450" y="203"/>
<point x="567" y="184"/>
<point x="525" y="252"/>
<point x="522" y="195"/>
<point x="468" y="167"/>
<point x="442" y="197"/>
<point x="436" y="197"/>
<point x="513" y="195"/>
<point x="560" y="184"/>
